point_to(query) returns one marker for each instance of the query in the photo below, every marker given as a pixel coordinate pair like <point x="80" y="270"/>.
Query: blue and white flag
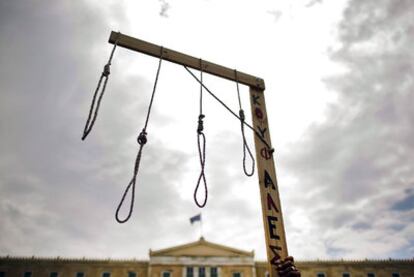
<point x="195" y="218"/>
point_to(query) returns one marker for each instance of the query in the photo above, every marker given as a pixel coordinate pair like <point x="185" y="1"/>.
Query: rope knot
<point x="241" y="114"/>
<point x="106" y="70"/>
<point x="142" y="138"/>
<point x="200" y="123"/>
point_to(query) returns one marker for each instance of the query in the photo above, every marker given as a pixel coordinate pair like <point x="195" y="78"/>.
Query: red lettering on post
<point x="259" y="113"/>
<point x="265" y="153"/>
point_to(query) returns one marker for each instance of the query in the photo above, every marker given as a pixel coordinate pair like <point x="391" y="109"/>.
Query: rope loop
<point x="142" y="140"/>
<point x="131" y="186"/>
<point x="246" y="148"/>
<point x="93" y="112"/>
<point x="201" y="142"/>
<point x="242" y="118"/>
<point x="201" y="145"/>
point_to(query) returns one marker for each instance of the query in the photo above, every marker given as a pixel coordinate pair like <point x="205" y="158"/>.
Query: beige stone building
<point x="197" y="259"/>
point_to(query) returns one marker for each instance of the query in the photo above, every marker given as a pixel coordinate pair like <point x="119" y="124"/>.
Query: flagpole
<point x="201" y="226"/>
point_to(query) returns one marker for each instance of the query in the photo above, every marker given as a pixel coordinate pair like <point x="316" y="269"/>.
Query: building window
<point x="166" y="274"/>
<point x="237" y="274"/>
<point x="346" y="274"/>
<point x="80" y="274"/>
<point x="189" y="272"/>
<point x="106" y="274"/>
<point x="27" y="274"/>
<point x="320" y="274"/>
<point x="53" y="274"/>
<point x="213" y="272"/>
<point x="201" y="272"/>
<point x="370" y="274"/>
<point x="132" y="274"/>
<point x="396" y="275"/>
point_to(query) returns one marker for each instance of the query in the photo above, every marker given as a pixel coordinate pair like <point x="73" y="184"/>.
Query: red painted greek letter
<point x="265" y="153"/>
<point x="258" y="113"/>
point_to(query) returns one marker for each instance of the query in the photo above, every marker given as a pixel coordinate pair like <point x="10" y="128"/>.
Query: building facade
<point x="197" y="259"/>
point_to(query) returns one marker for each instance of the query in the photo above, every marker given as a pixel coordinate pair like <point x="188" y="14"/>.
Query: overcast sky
<point x="339" y="78"/>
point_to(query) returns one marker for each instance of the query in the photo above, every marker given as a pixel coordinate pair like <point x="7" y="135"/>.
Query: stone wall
<point x="15" y="267"/>
<point x="381" y="268"/>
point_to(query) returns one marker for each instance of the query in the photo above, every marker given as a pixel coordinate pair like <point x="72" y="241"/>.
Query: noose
<point x="142" y="140"/>
<point x="246" y="147"/>
<point x="201" y="143"/>
<point x="257" y="133"/>
<point x="104" y="75"/>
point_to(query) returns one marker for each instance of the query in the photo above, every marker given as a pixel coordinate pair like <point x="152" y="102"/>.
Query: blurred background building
<point x="197" y="259"/>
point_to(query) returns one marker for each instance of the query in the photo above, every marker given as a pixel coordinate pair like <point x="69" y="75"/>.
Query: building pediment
<point x="201" y="248"/>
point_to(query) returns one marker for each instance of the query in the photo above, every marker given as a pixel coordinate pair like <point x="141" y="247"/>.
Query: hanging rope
<point x="246" y="147"/>
<point x="201" y="143"/>
<point x="105" y="75"/>
<point x="262" y="139"/>
<point x="142" y="140"/>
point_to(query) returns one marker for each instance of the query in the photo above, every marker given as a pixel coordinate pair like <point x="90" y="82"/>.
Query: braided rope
<point x="142" y="140"/>
<point x="261" y="138"/>
<point x="202" y="176"/>
<point x="201" y="144"/>
<point x="246" y="147"/>
<point x="92" y="110"/>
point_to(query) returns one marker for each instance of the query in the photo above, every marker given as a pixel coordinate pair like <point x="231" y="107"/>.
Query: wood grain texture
<point x="183" y="59"/>
<point x="276" y="245"/>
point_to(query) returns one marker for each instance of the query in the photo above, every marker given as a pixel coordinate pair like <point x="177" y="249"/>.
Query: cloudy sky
<point x="339" y="77"/>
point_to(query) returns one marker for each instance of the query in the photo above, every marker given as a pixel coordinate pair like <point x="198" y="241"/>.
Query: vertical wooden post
<point x="276" y="246"/>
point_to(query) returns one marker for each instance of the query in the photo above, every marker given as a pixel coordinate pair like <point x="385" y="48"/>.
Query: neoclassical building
<point x="197" y="259"/>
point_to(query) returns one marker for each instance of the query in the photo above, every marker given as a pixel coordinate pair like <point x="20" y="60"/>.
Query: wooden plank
<point x="276" y="246"/>
<point x="183" y="59"/>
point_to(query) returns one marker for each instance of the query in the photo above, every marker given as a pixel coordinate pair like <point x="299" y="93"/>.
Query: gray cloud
<point x="59" y="194"/>
<point x="165" y="6"/>
<point x="355" y="165"/>
<point x="313" y="3"/>
<point x="276" y="14"/>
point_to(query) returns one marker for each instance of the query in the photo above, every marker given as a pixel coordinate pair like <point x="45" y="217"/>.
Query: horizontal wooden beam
<point x="186" y="60"/>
